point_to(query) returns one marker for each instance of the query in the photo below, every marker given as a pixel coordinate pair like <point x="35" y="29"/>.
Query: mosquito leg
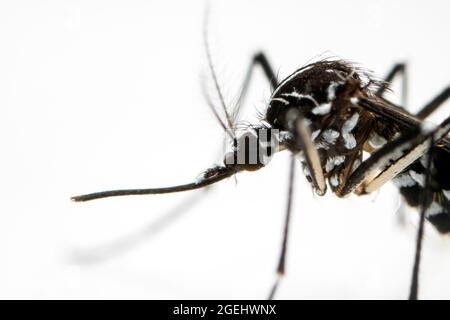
<point x="298" y="126"/>
<point x="282" y="260"/>
<point x="259" y="59"/>
<point x="401" y="69"/>
<point x="424" y="198"/>
<point x="398" y="69"/>
<point x="434" y="104"/>
<point x="311" y="155"/>
<point x="392" y="159"/>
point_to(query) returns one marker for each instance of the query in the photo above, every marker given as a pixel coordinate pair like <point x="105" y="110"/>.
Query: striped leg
<point x="392" y="159"/>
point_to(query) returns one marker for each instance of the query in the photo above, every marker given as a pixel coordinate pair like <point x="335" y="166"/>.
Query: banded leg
<point x="426" y="111"/>
<point x="399" y="69"/>
<point x="282" y="259"/>
<point x="409" y="121"/>
<point x="404" y="160"/>
<point x="392" y="159"/>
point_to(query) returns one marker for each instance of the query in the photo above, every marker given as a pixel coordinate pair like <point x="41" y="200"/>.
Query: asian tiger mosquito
<point x="328" y="113"/>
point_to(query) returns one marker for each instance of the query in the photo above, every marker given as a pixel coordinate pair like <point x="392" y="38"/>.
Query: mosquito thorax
<point x="325" y="94"/>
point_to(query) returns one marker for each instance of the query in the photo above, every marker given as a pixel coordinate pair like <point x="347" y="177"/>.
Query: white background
<point x="100" y="95"/>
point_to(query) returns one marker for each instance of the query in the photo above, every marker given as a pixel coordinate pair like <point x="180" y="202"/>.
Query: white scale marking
<point x="418" y="177"/>
<point x="376" y="141"/>
<point x="332" y="91"/>
<point x="292" y="76"/>
<point x="322" y="145"/>
<point x="401" y="161"/>
<point x="349" y="125"/>
<point x="319" y="109"/>
<point x="446" y="194"/>
<point x="404" y="180"/>
<point x="299" y="96"/>
<point x="322" y="109"/>
<point x="315" y="134"/>
<point x="394" y="156"/>
<point x="434" y="209"/>
<point x="349" y="140"/>
<point x="332" y="162"/>
<point x="427" y="127"/>
<point x="306" y="171"/>
<point x="424" y="161"/>
<point x="355" y="165"/>
<point x="334" y="180"/>
<point x="330" y="136"/>
<point x="284" y="101"/>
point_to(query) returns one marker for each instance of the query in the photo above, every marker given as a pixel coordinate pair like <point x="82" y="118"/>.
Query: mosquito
<point x="328" y="115"/>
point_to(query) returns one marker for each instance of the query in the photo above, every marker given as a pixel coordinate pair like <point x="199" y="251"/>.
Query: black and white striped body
<point x="411" y="184"/>
<point x="326" y="94"/>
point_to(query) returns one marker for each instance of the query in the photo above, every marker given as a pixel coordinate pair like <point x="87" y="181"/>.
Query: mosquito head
<point x="253" y="149"/>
